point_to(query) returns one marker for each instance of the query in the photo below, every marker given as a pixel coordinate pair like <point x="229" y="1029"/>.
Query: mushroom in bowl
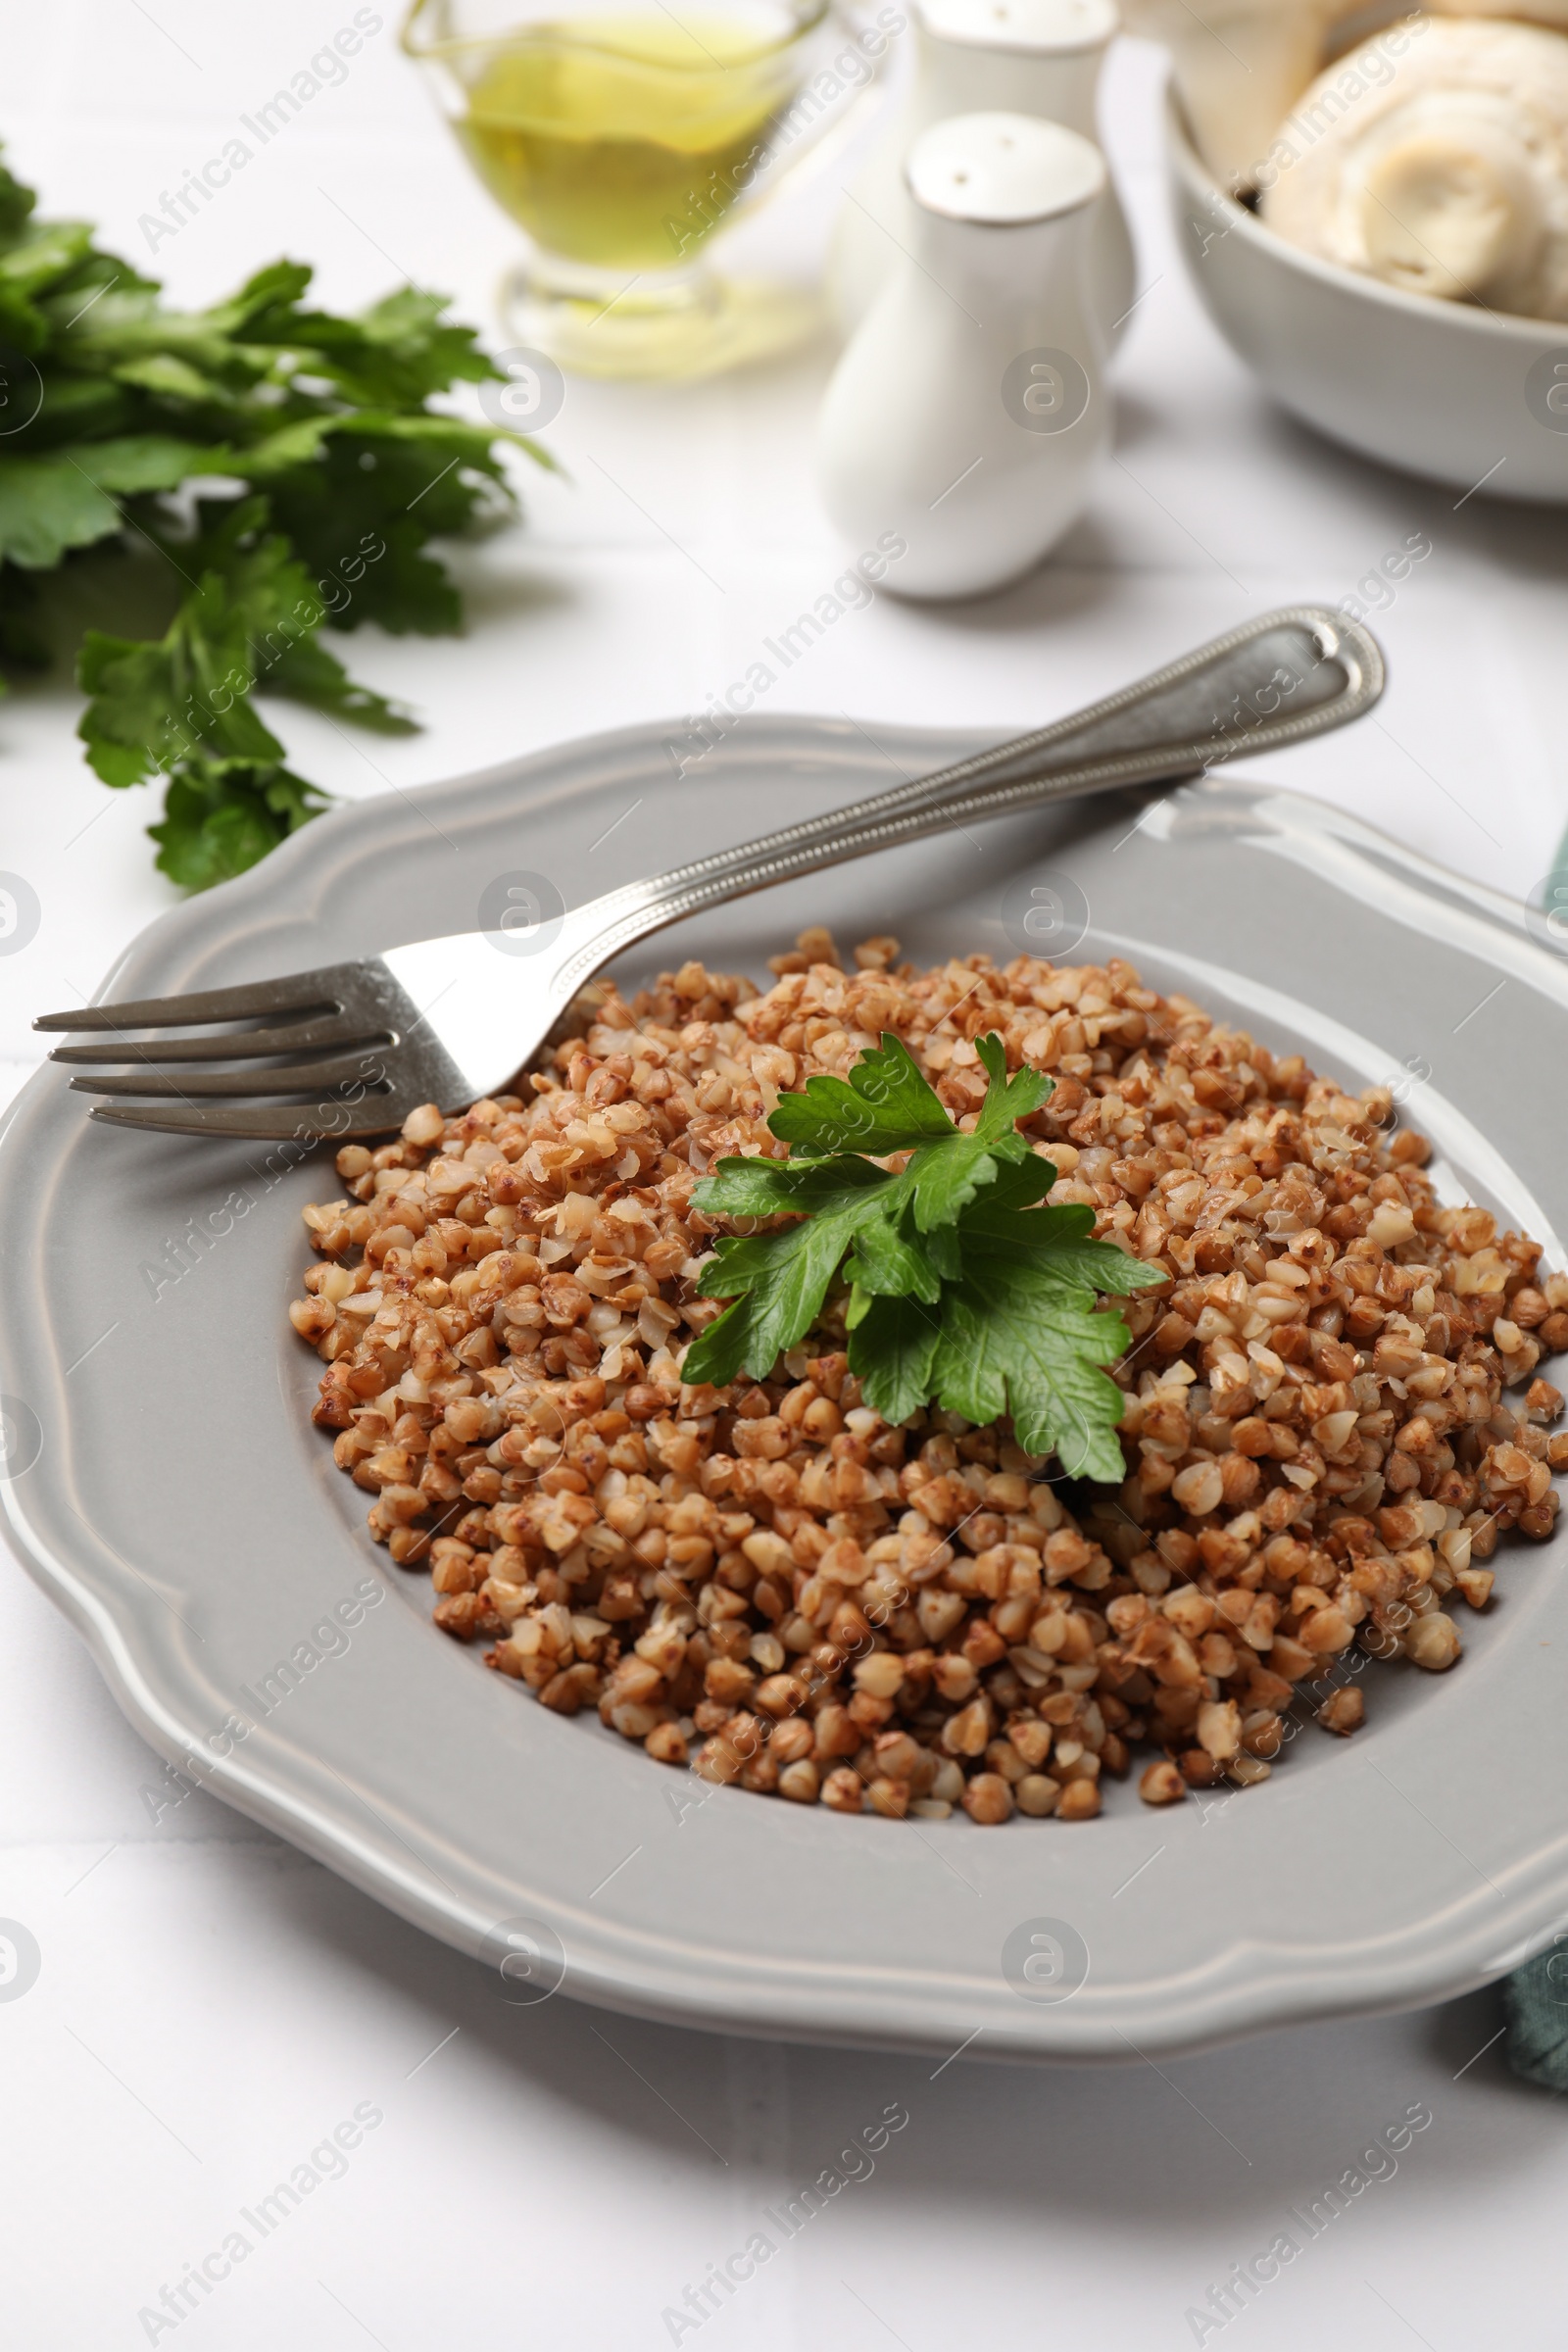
<point x="1471" y="396"/>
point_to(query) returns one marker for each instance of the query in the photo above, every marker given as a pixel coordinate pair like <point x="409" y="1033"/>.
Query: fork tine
<point x="377" y="1114"/>
<point x="233" y="1045"/>
<point x="300" y="1078"/>
<point x="301" y="992"/>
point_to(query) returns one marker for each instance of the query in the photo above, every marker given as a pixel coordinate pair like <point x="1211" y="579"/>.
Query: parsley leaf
<point x="888" y="1231"/>
<point x="945" y="1177"/>
<point x="246" y="622"/>
<point x="63" y="497"/>
<point x="891" y="1260"/>
<point x="1017" y="1331"/>
<point x="884" y="1106"/>
<point x="778" y="1281"/>
<point x="1021" y="1334"/>
<point x="222" y="816"/>
<point x="962" y="1288"/>
<point x="893" y="1348"/>
<point x="327" y="473"/>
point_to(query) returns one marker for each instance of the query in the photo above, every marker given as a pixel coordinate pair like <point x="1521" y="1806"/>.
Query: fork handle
<point x="1288" y="674"/>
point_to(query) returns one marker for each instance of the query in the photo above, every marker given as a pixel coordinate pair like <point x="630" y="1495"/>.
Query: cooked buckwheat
<point x="766" y="1580"/>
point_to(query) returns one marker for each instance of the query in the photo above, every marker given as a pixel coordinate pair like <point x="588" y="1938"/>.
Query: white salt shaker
<point x="967" y="414"/>
<point x="1030" y="57"/>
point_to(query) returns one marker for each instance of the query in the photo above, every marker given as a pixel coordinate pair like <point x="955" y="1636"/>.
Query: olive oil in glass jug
<point x="623" y="140"/>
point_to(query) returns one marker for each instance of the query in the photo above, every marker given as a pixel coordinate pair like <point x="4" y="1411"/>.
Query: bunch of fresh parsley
<point x="328" y="472"/>
<point x="960" y="1289"/>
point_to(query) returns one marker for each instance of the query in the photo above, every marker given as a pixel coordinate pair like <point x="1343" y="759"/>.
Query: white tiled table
<point x="211" y="2005"/>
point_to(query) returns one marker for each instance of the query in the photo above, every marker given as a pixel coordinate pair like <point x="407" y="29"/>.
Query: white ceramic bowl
<point x="1462" y="395"/>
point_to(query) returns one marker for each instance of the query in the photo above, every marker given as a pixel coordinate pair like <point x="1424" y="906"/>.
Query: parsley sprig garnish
<point x="962" y="1290"/>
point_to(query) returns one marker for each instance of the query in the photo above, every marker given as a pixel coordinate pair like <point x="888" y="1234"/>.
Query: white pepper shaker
<point x="967" y="414"/>
<point x="1027" y="57"/>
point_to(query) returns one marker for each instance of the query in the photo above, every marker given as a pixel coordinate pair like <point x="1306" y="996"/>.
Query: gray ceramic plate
<point x="166" y="1487"/>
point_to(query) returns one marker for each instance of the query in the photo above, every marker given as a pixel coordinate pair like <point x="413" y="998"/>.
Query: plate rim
<point x="1251" y="1988"/>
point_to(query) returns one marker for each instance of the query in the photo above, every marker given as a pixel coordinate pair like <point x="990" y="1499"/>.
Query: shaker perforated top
<point x="1040" y="27"/>
<point x="1004" y="170"/>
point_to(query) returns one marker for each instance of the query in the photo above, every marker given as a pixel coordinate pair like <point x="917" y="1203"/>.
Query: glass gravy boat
<point x="624" y="139"/>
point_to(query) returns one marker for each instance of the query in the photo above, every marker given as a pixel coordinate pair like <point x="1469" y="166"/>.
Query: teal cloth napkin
<point x="1535" y="2002"/>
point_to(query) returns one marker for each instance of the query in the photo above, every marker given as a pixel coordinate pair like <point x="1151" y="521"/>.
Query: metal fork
<point x="351" y="1048"/>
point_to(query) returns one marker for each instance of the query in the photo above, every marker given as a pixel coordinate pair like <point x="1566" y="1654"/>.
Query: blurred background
<point x="685" y="525"/>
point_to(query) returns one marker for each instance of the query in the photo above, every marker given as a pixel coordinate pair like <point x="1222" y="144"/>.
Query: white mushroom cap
<point x="1241" y="64"/>
<point x="1240" y="67"/>
<point x="1442" y="170"/>
<point x="1533" y="12"/>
